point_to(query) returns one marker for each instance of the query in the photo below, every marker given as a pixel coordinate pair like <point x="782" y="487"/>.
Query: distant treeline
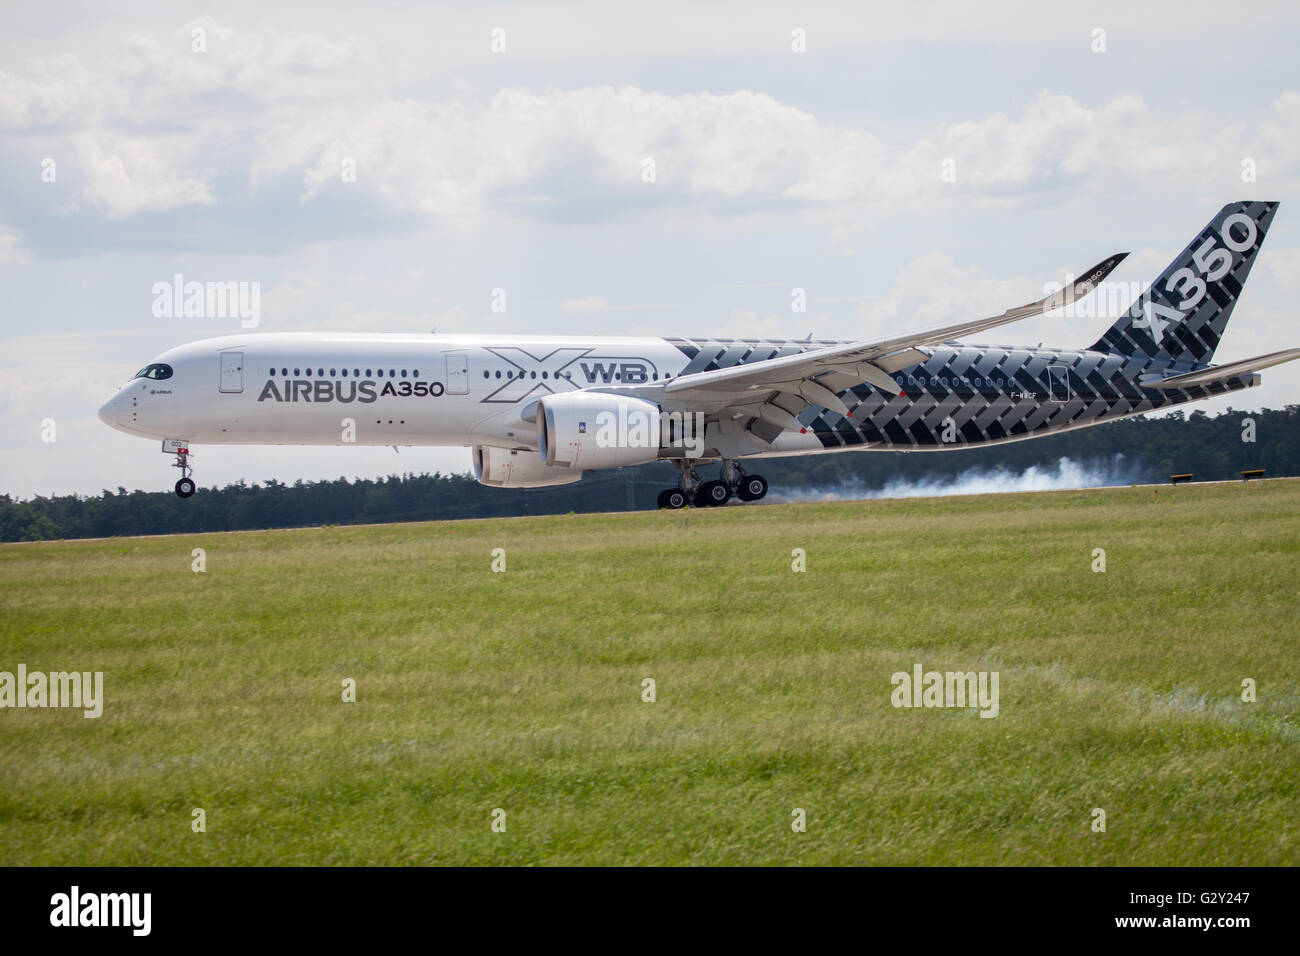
<point x="1151" y="450"/>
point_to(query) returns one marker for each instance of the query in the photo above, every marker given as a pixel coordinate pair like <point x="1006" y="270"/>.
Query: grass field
<point x="522" y="690"/>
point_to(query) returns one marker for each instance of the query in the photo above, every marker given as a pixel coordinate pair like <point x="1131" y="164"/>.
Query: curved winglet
<point x="1076" y="290"/>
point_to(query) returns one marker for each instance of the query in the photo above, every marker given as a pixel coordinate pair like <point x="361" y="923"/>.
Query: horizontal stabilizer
<point x="1217" y="373"/>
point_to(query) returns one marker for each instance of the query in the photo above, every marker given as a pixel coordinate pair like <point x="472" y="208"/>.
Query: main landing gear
<point x="710" y="494"/>
<point x="185" y="487"/>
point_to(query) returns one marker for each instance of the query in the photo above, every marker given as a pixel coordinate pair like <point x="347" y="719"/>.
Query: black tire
<point x="712" y="494"/>
<point x="674" y="498"/>
<point x="661" y="502"/>
<point x="185" y="487"/>
<point x="752" y="488"/>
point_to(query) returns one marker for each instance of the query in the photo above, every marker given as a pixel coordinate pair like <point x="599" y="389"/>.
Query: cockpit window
<point x="156" y="371"/>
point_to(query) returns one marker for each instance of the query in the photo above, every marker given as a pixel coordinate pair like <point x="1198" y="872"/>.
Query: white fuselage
<point x="383" y="389"/>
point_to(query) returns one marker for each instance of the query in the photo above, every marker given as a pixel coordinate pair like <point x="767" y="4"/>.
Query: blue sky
<point x="522" y="170"/>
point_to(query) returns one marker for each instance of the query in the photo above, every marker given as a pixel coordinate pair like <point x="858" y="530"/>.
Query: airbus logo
<point x="319" y="390"/>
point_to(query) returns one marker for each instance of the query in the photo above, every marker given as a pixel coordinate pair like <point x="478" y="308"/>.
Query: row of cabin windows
<point x="356" y="373"/>
<point x="511" y="374"/>
<point x="569" y="375"/>
<point x="415" y="373"/>
<point x="954" y="381"/>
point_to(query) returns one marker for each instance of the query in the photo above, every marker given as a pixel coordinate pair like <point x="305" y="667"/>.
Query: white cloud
<point x="129" y="175"/>
<point x="1284" y="266"/>
<point x="932" y="290"/>
<point x="742" y="153"/>
<point x="55" y="89"/>
<point x="11" y="248"/>
<point x="158" y="125"/>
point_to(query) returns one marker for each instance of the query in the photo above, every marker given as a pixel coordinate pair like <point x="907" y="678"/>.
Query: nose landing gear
<point x="185" y="486"/>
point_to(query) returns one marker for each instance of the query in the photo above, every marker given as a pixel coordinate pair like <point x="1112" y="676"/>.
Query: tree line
<point x="1150" y="449"/>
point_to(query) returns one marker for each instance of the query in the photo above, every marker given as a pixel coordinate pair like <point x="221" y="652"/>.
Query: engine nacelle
<point x="508" y="468"/>
<point x="597" y="430"/>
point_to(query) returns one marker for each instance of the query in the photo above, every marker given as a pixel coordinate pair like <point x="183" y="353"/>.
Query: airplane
<point x="543" y="410"/>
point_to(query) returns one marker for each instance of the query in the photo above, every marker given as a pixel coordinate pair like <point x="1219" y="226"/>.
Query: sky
<point x="385" y="167"/>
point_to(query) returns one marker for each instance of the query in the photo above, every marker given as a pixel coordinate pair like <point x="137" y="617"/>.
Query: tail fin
<point x="1181" y="317"/>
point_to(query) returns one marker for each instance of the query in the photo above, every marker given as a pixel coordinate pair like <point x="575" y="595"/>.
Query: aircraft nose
<point x="111" y="412"/>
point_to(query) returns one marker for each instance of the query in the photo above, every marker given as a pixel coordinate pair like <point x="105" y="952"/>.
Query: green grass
<point x="522" y="690"/>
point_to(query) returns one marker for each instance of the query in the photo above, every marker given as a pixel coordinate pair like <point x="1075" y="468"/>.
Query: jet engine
<point x="597" y="430"/>
<point x="510" y="468"/>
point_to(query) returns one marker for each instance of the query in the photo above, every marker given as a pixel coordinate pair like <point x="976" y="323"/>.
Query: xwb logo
<point x="623" y="371"/>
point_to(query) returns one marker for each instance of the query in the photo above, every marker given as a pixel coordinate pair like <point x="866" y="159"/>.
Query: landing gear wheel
<point x="712" y="494"/>
<point x="184" y="487"/>
<point x="752" y="488"/>
<point x="673" y="499"/>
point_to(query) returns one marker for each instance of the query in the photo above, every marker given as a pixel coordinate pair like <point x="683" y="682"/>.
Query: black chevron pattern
<point x="963" y="396"/>
<point x="973" y="395"/>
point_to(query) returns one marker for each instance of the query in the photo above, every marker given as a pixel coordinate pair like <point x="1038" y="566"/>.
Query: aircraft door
<point x="1058" y="383"/>
<point x="232" y="372"/>
<point x="457" y="373"/>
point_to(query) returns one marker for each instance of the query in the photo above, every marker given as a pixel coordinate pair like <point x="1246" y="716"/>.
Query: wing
<point x="775" y="391"/>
